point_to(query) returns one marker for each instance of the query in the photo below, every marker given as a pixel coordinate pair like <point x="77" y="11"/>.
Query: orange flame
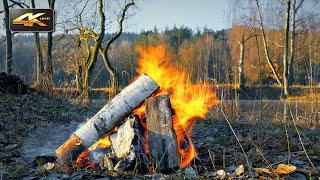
<point x="102" y="143"/>
<point x="82" y="160"/>
<point x="189" y="100"/>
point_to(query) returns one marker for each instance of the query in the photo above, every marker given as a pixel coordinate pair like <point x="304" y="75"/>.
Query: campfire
<point x="147" y="126"/>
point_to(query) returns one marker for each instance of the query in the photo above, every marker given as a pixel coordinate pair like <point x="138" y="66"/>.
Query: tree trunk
<point x="8" y="57"/>
<point x="286" y="114"/>
<point x="49" y="68"/>
<point x="88" y="71"/>
<point x="93" y="54"/>
<point x="241" y="62"/>
<point x="112" y="72"/>
<point x="285" y="51"/>
<point x="84" y="75"/>
<point x="39" y="61"/>
<point x="79" y="80"/>
<point x="162" y="139"/>
<point x="265" y="45"/>
<point x="295" y="8"/>
<point x="292" y="45"/>
<point x="85" y="88"/>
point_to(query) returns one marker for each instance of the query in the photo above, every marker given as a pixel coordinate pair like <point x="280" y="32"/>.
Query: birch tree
<point x="49" y="67"/>
<point x="295" y="8"/>
<point x="8" y="56"/>
<point x="286" y="48"/>
<point x="39" y="59"/>
<point x="265" y="46"/>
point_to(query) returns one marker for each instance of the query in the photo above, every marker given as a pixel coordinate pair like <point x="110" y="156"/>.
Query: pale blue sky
<point x="167" y="13"/>
<point x="192" y="13"/>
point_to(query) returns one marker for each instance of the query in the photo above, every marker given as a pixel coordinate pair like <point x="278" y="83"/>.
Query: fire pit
<point x="146" y="127"/>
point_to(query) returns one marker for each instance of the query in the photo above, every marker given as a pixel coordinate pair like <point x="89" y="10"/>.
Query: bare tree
<point x="105" y="49"/>
<point x="8" y="57"/>
<point x="286" y="48"/>
<point x="242" y="44"/>
<point x="49" y="68"/>
<point x="295" y="8"/>
<point x="98" y="47"/>
<point x="95" y="50"/>
<point x="39" y="60"/>
<point x="265" y="45"/>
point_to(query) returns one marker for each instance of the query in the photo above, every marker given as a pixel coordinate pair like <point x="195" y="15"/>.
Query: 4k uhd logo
<point x="32" y="20"/>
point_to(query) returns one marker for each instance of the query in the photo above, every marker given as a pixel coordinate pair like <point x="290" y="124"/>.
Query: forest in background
<point x="258" y="50"/>
<point x="207" y="54"/>
<point x="264" y="70"/>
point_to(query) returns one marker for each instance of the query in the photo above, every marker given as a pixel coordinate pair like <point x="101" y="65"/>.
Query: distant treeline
<point x="207" y="54"/>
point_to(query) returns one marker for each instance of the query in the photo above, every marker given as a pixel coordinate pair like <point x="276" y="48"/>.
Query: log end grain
<point x="70" y="150"/>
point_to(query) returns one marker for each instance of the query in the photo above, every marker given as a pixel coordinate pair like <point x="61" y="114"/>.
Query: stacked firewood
<point x="147" y="143"/>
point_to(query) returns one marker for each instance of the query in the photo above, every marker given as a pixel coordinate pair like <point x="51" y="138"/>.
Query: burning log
<point x="161" y="136"/>
<point x="107" y="118"/>
<point x="124" y="149"/>
<point x="126" y="144"/>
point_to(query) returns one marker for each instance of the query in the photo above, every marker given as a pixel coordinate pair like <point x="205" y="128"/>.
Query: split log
<point x="125" y="152"/>
<point x="161" y="136"/>
<point x="122" y="140"/>
<point x="107" y="118"/>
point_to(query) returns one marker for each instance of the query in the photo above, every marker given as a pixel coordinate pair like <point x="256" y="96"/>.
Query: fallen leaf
<point x="239" y="170"/>
<point x="263" y="171"/>
<point x="48" y="166"/>
<point x="221" y="174"/>
<point x="285" y="169"/>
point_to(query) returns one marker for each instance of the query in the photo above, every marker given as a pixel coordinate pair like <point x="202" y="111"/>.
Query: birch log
<point x="107" y="118"/>
<point x="161" y="136"/>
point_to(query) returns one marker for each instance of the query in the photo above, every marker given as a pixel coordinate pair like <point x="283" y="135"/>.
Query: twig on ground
<point x="212" y="160"/>
<point x="284" y="120"/>
<point x="302" y="145"/>
<point x="260" y="153"/>
<point x="234" y="133"/>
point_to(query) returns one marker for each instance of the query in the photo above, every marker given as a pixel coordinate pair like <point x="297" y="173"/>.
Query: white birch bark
<point x="116" y="110"/>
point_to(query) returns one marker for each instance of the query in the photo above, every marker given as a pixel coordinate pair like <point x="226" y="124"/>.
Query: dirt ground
<point x="34" y="124"/>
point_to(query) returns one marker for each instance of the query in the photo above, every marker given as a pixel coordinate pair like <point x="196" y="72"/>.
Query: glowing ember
<point x="103" y="143"/>
<point x="189" y="100"/>
<point x="82" y="160"/>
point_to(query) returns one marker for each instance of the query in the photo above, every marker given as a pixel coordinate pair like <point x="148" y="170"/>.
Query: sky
<point x="191" y="13"/>
<point x="194" y="14"/>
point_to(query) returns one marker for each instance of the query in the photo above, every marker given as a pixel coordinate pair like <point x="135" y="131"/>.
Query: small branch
<point x="10" y="6"/>
<point x="302" y="145"/>
<point x="120" y="28"/>
<point x="250" y="36"/>
<point x="20" y="4"/>
<point x="238" y="141"/>
<point x="299" y="5"/>
<point x="276" y="43"/>
<point x="2" y="41"/>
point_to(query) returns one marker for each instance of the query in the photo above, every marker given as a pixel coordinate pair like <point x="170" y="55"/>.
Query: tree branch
<point x="20" y="4"/>
<point x="299" y="5"/>
<point x="10" y="6"/>
<point x="120" y="28"/>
